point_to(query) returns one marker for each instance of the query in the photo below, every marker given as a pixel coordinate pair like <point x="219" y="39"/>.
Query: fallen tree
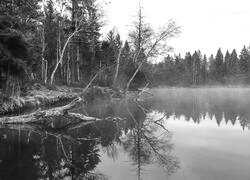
<point x="37" y="95"/>
<point x="41" y="115"/>
<point x="46" y="116"/>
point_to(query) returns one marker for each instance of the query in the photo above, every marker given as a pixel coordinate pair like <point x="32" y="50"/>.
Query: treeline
<point x="197" y="69"/>
<point x="58" y="42"/>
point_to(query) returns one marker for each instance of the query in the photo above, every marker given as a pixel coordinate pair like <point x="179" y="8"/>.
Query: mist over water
<point x="228" y="104"/>
<point x="210" y="134"/>
<point x="178" y="133"/>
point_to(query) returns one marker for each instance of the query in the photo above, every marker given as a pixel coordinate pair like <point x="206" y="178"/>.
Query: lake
<point x="178" y="133"/>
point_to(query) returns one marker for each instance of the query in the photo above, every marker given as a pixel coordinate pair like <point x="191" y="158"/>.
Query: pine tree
<point x="196" y="61"/>
<point x="244" y="60"/>
<point x="188" y="68"/>
<point x="81" y="41"/>
<point x="227" y="63"/>
<point x="18" y="41"/>
<point x="126" y="52"/>
<point x="219" y="65"/>
<point x="234" y="64"/>
<point x="50" y="30"/>
<point x="211" y="66"/>
<point x="204" y="68"/>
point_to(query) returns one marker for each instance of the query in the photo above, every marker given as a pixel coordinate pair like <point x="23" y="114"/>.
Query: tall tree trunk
<point x="66" y="43"/>
<point x="44" y="61"/>
<point x="58" y="53"/>
<point x="132" y="78"/>
<point x="60" y="49"/>
<point x="139" y="48"/>
<point x="139" y="29"/>
<point x="193" y="73"/>
<point x="68" y="67"/>
<point x="92" y="60"/>
<point x="72" y="63"/>
<point x="42" y="72"/>
<point x="117" y="67"/>
<point x="72" y="44"/>
<point x="61" y="56"/>
<point x="78" y="62"/>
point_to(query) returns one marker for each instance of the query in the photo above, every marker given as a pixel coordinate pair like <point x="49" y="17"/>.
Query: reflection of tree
<point x="13" y="165"/>
<point x="66" y="149"/>
<point x="142" y="144"/>
<point x="29" y="152"/>
<point x="228" y="104"/>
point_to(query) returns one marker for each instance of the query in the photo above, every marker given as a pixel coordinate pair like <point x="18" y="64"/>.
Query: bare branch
<point x="152" y="44"/>
<point x="62" y="54"/>
<point x="117" y="66"/>
<point x="92" y="80"/>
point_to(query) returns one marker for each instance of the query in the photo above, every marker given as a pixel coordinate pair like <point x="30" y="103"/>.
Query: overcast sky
<point x="205" y="24"/>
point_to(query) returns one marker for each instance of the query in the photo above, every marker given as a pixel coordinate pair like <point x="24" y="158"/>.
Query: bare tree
<point x="149" y="44"/>
<point x="85" y="21"/>
<point x="117" y="66"/>
<point x="44" y="61"/>
<point x="78" y="27"/>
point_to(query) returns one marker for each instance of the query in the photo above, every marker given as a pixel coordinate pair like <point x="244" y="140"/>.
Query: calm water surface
<point x="191" y="134"/>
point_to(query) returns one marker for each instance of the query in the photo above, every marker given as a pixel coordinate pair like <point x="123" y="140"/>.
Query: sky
<point x="206" y="25"/>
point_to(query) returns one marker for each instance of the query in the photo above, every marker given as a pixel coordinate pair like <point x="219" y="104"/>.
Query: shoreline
<point x="35" y="99"/>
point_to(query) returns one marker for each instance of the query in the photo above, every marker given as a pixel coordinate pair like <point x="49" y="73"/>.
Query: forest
<point x="73" y="98"/>
<point x="58" y="42"/>
<point x="196" y="69"/>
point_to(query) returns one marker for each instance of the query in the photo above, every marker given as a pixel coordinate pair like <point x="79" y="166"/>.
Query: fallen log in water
<point x="41" y="115"/>
<point x="48" y="115"/>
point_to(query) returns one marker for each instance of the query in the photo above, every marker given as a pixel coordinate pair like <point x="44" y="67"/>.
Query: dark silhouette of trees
<point x="219" y="65"/>
<point x="196" y="69"/>
<point x="244" y="60"/>
<point x="59" y="42"/>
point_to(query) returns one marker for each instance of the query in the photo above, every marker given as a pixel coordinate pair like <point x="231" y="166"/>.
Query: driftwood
<point x="40" y="115"/>
<point x="43" y="115"/>
<point x="49" y="114"/>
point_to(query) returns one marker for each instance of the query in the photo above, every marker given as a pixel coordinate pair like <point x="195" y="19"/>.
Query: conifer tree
<point x="227" y="63"/>
<point x="219" y="65"/>
<point x="195" y="68"/>
<point x="204" y="73"/>
<point x="234" y="62"/>
<point x="18" y="41"/>
<point x="244" y="60"/>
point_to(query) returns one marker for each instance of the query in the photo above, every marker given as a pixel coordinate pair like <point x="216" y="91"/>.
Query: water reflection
<point x="229" y="104"/>
<point x="28" y="152"/>
<point x="145" y="146"/>
<point x="64" y="150"/>
<point x="141" y="140"/>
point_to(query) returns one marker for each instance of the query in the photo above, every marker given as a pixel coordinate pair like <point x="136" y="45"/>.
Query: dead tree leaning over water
<point x="149" y="44"/>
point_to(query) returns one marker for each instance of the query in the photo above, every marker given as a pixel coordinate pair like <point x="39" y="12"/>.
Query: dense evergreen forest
<point x="58" y="42"/>
<point x="196" y="69"/>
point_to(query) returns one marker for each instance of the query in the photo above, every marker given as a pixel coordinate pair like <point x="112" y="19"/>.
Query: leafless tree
<point x="149" y="44"/>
